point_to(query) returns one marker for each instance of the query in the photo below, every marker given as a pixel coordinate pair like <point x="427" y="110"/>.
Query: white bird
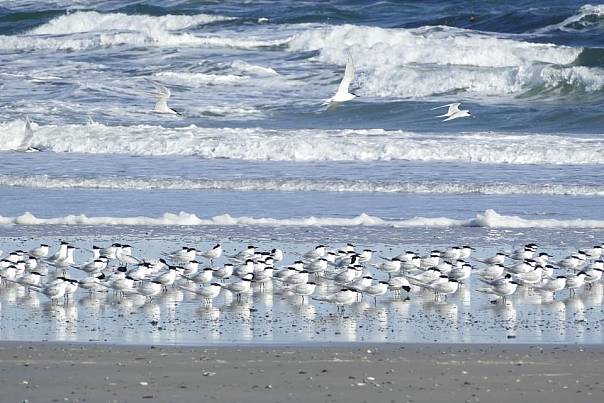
<point x="442" y="286"/>
<point x="492" y="272"/>
<point x="390" y="266"/>
<point x="526" y="252"/>
<point x="208" y="293"/>
<point x="94" y="266"/>
<point x="552" y="286"/>
<point x="213" y="253"/>
<point x="89" y="283"/>
<point x="28" y="137"/>
<point x="376" y="290"/>
<point x="461" y="273"/>
<point x="452" y="253"/>
<point x="397" y="283"/>
<point x="465" y="252"/>
<point x="530" y="277"/>
<point x="162" y="94"/>
<point x="502" y="289"/>
<point x="453" y="112"/>
<point x="224" y="272"/>
<point x="240" y="287"/>
<point x="60" y="255"/>
<point x="277" y="255"/>
<point x="53" y="291"/>
<point x="499" y="258"/>
<point x="343" y="297"/>
<point x="575" y="281"/>
<point x="316" y="253"/>
<point x="304" y="290"/>
<point x="150" y="289"/>
<point x="168" y="277"/>
<point x="40" y="251"/>
<point x="342" y="95"/>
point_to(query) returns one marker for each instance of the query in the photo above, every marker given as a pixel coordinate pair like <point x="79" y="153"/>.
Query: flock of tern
<point x="340" y="276"/>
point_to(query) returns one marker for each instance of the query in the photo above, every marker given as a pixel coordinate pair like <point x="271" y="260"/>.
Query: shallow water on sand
<point x="275" y="316"/>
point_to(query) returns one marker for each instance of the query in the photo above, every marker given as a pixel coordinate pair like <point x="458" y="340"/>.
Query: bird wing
<point x="453" y="108"/>
<point x="161" y="91"/>
<point x="348" y="76"/>
<point x="28" y="136"/>
<point x="453" y="116"/>
<point x="445" y="106"/>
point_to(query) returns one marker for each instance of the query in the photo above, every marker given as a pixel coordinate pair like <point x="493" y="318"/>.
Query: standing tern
<point x="208" y="293"/>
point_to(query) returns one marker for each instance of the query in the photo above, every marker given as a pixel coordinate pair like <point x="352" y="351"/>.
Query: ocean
<point x="254" y="156"/>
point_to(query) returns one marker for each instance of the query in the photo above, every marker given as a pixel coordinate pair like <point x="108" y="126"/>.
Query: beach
<point x="330" y="201"/>
<point x="37" y="372"/>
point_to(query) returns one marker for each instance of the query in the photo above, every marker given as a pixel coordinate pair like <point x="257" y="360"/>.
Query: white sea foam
<point x="488" y="219"/>
<point x="433" y="45"/>
<point x="253" y="69"/>
<point x="89" y="29"/>
<point x="581" y="20"/>
<point x="92" y="21"/>
<point x="104" y="40"/>
<point x="589" y="79"/>
<point x="310" y="144"/>
<point x="200" y="78"/>
<point x="434" y="60"/>
<point x="296" y="185"/>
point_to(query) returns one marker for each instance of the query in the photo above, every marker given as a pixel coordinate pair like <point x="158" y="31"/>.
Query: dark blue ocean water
<point x="249" y="79"/>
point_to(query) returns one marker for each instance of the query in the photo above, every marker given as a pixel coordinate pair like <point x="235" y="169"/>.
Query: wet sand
<point x="44" y="372"/>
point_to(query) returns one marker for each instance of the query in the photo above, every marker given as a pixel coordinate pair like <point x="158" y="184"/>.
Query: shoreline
<point x="414" y="372"/>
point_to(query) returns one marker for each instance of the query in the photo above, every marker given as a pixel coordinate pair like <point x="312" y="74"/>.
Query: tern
<point x="552" y="286"/>
<point x="213" y="253"/>
<point x="40" y="251"/>
<point x="453" y="112"/>
<point x="499" y="258"/>
<point x="345" y="296"/>
<point x="28" y="137"/>
<point x="304" y="290"/>
<point x="208" y="293"/>
<point x="500" y="289"/>
<point x="240" y="287"/>
<point x="343" y="94"/>
<point x="376" y="290"/>
<point x="162" y="93"/>
<point x="397" y="283"/>
<point x="203" y="277"/>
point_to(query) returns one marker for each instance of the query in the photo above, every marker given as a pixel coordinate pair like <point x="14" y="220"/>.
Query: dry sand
<point x="45" y="372"/>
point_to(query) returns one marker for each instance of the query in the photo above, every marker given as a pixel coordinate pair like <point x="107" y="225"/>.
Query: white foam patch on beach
<point x="310" y="144"/>
<point x="92" y="21"/>
<point x="488" y="219"/>
<point x="435" y="60"/>
<point x="296" y="185"/>
<point x="586" y="17"/>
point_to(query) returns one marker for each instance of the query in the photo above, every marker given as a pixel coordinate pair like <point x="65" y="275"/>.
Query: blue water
<point x="254" y="138"/>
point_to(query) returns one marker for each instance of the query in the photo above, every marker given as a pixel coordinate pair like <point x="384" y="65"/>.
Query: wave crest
<point x="297" y="185"/>
<point x="488" y="219"/>
<point x="310" y="144"/>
